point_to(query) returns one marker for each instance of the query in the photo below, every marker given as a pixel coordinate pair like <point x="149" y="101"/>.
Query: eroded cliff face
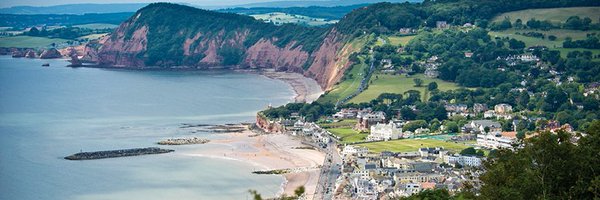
<point x="264" y="54"/>
<point x="330" y="61"/>
<point x="122" y="49"/>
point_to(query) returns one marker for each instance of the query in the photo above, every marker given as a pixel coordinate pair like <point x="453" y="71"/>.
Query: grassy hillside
<point x="384" y="83"/>
<point x="555" y="15"/>
<point x="29" y="42"/>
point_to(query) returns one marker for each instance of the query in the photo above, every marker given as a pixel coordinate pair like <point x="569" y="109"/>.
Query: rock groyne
<point x="117" y="153"/>
<point x="184" y="141"/>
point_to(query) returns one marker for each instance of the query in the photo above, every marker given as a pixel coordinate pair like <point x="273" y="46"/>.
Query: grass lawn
<point x="284" y="18"/>
<point x="400" y="40"/>
<point x="347" y="135"/>
<point x="384" y="83"/>
<point x="97" y="26"/>
<point x="561" y="34"/>
<point x="555" y="15"/>
<point x="408" y="145"/>
<point x="346" y="123"/>
<point x="28" y="41"/>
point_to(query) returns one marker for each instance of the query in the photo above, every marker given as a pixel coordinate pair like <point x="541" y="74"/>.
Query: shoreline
<point x="270" y="152"/>
<point x="306" y="89"/>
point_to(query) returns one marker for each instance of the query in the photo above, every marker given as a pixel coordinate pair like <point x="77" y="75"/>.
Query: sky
<point x="10" y="3"/>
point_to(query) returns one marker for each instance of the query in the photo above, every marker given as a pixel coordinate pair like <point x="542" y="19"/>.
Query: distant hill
<point x="22" y="21"/>
<point x="77" y="9"/>
<point x="330" y="13"/>
<point x="324" y="3"/>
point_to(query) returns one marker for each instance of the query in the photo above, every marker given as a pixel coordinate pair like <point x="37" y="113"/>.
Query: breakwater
<point x="117" y="153"/>
<point x="184" y="141"/>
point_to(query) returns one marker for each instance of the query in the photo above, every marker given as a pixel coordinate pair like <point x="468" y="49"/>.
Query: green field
<point x="346" y="123"/>
<point x="97" y="26"/>
<point x="555" y="15"/>
<point x="348" y="135"/>
<point x="384" y="83"/>
<point x="279" y="18"/>
<point x="408" y="145"/>
<point x="29" y="42"/>
<point x="561" y="34"/>
<point x="400" y="40"/>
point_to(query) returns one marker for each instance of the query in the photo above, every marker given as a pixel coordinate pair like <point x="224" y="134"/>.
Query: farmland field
<point x="384" y="83"/>
<point x="29" y="41"/>
<point x="279" y="18"/>
<point x="96" y="26"/>
<point x="561" y="34"/>
<point x="555" y="15"/>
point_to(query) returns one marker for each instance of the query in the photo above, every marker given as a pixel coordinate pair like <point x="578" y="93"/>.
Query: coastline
<point x="271" y="152"/>
<point x="306" y="89"/>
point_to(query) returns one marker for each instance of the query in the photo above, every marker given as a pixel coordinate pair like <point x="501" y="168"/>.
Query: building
<point x="479" y="108"/>
<point x="384" y="132"/>
<point x="366" y="120"/>
<point x="437" y="152"/>
<point x="346" y="113"/>
<point x="354" y="150"/>
<point x="442" y="24"/>
<point x="457" y="108"/>
<point x="503" y="108"/>
<point x="471" y="161"/>
<point x="479" y="126"/>
<point x="496" y="140"/>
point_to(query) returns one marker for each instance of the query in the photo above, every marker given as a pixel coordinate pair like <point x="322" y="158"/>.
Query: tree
<point x="418" y="82"/>
<point x="548" y="166"/>
<point x="516" y="44"/>
<point x="432" y="86"/>
<point x="470" y="151"/>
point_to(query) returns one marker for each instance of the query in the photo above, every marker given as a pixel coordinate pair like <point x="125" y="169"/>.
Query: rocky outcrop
<point x="50" y="54"/>
<point x="30" y="54"/>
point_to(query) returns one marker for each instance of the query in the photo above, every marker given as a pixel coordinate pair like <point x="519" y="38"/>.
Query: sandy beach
<point x="307" y="90"/>
<point x="270" y="152"/>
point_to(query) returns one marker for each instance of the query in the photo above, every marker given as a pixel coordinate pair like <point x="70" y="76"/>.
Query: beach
<point x="271" y="152"/>
<point x="306" y="89"/>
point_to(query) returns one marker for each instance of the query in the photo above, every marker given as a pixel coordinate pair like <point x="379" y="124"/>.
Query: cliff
<point x="157" y="36"/>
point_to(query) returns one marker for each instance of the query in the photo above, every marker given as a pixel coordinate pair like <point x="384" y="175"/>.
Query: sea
<point x="47" y="113"/>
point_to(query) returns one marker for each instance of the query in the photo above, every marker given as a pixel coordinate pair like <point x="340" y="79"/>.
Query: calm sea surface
<point x="47" y="113"/>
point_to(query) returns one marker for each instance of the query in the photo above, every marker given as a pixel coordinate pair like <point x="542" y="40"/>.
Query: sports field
<point x="408" y="145"/>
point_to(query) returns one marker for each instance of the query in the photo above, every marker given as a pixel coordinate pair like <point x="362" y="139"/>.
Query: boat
<point x="46" y="65"/>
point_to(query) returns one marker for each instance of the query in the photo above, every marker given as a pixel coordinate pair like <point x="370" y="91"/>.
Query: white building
<point x="503" y="108"/>
<point x="354" y="150"/>
<point x="472" y="161"/>
<point x="496" y="140"/>
<point x="385" y="132"/>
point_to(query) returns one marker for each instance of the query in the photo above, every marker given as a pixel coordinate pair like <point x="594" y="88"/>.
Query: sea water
<point x="47" y="113"/>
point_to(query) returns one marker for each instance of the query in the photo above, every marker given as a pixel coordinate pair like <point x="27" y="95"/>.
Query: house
<point x="406" y="31"/>
<point x="432" y="73"/>
<point x="346" y="113"/>
<point x="457" y="108"/>
<point x="354" y="150"/>
<point x="366" y="120"/>
<point x="479" y="108"/>
<point x="384" y="132"/>
<point x="468" y="54"/>
<point x="438" y="152"/>
<point x="496" y="140"/>
<point x="480" y="126"/>
<point x="442" y="24"/>
<point x="503" y="108"/>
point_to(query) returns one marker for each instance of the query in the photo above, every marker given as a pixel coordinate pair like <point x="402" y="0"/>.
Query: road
<point x="330" y="172"/>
